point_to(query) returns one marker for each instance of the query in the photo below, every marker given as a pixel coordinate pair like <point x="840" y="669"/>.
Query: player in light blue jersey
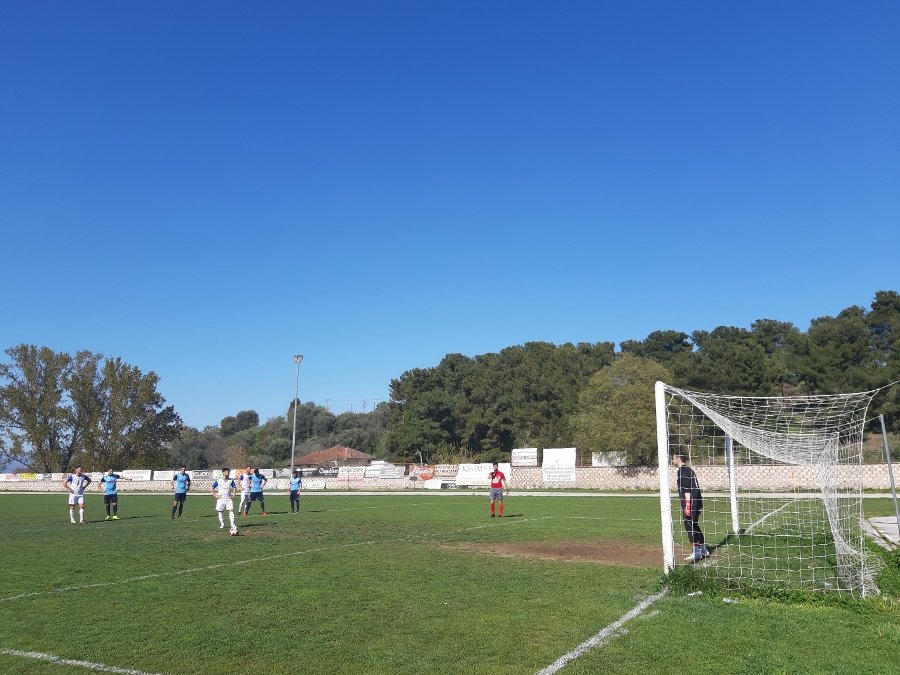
<point x="257" y="481"/>
<point x="110" y="493"/>
<point x="181" y="483"/>
<point x="223" y="490"/>
<point x="296" y="484"/>
<point x="75" y="484"/>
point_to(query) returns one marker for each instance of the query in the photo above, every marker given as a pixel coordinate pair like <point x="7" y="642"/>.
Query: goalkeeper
<point x="691" y="499"/>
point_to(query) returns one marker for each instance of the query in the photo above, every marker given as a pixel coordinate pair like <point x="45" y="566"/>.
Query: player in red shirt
<point x="498" y="481"/>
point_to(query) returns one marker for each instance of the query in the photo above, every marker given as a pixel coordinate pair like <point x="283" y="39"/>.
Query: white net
<point x="781" y="489"/>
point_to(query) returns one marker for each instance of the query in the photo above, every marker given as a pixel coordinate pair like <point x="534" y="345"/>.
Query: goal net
<point x="781" y="486"/>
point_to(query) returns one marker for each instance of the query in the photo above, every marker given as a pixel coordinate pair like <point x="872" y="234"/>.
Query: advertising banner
<point x="9" y="476"/>
<point x="445" y="470"/>
<point x="478" y="475"/>
<point x="392" y="472"/>
<point x="524" y="457"/>
<point x="201" y="474"/>
<point x="95" y="475"/>
<point x="559" y="465"/>
<point x="268" y="473"/>
<point x="163" y="474"/>
<point x="283" y="473"/>
<point x="314" y="484"/>
<point x="421" y="472"/>
<point x="373" y="471"/>
<point x="351" y="473"/>
<point x="55" y="476"/>
<point x="136" y="474"/>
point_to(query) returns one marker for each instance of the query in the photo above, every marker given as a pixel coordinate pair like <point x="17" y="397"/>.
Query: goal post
<point x="781" y="488"/>
<point x="665" y="499"/>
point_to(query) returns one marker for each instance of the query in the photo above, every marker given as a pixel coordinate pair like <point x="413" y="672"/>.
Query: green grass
<point x="387" y="585"/>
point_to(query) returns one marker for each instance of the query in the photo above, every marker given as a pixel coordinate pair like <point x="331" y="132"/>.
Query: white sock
<point x="81" y="515"/>
<point x="221" y="519"/>
<point x="72" y="516"/>
<point x="231" y="517"/>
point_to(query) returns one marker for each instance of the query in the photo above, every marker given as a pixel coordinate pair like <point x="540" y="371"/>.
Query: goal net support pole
<point x="732" y="484"/>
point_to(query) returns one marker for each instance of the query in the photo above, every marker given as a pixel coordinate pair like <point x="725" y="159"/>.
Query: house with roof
<point x="335" y="456"/>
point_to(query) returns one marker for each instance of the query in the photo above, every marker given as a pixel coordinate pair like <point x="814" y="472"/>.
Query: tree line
<point x="57" y="410"/>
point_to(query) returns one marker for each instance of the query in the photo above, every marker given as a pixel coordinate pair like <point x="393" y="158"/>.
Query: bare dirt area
<point x="602" y="553"/>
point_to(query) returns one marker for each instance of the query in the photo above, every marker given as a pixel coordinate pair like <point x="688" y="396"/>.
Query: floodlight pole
<point x="298" y="359"/>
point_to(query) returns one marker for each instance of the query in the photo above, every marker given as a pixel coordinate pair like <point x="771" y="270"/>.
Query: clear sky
<point x="207" y="188"/>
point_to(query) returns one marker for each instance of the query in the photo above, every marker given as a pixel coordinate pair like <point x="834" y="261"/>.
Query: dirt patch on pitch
<point x="601" y="553"/>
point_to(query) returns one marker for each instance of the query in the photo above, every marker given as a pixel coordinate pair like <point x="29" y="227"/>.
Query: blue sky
<point x="207" y="188"/>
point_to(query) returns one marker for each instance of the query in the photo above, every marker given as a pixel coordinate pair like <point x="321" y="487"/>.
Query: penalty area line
<point x="601" y="637"/>
<point x="59" y="661"/>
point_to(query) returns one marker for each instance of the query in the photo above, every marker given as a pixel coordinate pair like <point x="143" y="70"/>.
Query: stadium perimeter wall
<point x="756" y="477"/>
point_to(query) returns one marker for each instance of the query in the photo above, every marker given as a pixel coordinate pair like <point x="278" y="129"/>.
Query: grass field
<point x="404" y="584"/>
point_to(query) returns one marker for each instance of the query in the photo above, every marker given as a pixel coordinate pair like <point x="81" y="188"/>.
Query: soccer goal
<point x="781" y="486"/>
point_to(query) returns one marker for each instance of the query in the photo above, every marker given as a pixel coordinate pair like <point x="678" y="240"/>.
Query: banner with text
<point x="392" y="472"/>
<point x="445" y="470"/>
<point x="136" y="474"/>
<point x="524" y="457"/>
<point x="559" y="465"/>
<point x="417" y="472"/>
<point x="351" y="473"/>
<point x="163" y="474"/>
<point x="478" y="475"/>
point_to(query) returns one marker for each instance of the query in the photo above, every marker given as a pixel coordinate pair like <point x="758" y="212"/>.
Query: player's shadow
<point x="729" y="538"/>
<point x="512" y="515"/>
<point x="246" y="525"/>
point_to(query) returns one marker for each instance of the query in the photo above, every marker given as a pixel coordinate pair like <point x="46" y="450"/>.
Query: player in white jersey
<point x="244" y="481"/>
<point x="75" y="485"/>
<point x="223" y="490"/>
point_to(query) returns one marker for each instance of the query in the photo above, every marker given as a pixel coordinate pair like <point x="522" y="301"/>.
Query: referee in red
<point x="498" y="481"/>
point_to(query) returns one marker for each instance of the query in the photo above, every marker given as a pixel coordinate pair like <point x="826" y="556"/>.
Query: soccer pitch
<point x="392" y="584"/>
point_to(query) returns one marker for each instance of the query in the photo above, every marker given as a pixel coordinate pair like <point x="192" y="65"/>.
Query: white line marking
<point x="769" y="515"/>
<point x="206" y="568"/>
<point x="601" y="637"/>
<point x="90" y="665"/>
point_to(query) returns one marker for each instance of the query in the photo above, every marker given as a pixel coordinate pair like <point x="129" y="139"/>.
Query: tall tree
<point x="58" y="410"/>
<point x="617" y="410"/>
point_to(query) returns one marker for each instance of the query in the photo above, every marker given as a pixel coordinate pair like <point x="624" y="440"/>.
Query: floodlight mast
<point x="298" y="359"/>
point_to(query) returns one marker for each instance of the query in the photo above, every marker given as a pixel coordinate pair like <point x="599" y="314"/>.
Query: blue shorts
<point x="108" y="499"/>
<point x="256" y="496"/>
<point x="180" y="496"/>
<point x="295" y="495"/>
<point x="497" y="493"/>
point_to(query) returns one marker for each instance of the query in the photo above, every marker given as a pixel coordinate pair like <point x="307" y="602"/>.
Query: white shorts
<point x="76" y="499"/>
<point x="224" y="504"/>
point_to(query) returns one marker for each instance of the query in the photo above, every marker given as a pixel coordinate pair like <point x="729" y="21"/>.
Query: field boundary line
<point x="60" y="661"/>
<point x="600" y="638"/>
<point x="234" y="563"/>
